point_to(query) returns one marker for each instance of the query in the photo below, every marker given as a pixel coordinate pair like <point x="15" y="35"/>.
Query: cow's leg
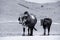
<point x="44" y="27"/>
<point x="45" y="31"/>
<point x="48" y="30"/>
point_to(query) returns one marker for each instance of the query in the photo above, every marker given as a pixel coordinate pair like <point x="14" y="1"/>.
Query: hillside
<point x="10" y="10"/>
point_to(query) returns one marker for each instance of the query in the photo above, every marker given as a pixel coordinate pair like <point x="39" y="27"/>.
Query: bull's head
<point x="22" y="20"/>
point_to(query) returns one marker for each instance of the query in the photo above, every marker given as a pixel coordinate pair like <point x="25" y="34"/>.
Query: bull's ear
<point x="19" y="19"/>
<point x="20" y="23"/>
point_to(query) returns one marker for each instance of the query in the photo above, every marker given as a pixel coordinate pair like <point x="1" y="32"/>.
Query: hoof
<point x="48" y="34"/>
<point x="30" y="35"/>
<point x="44" y="33"/>
<point x="23" y="34"/>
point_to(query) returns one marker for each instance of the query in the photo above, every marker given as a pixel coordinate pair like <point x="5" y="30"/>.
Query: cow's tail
<point x="35" y="29"/>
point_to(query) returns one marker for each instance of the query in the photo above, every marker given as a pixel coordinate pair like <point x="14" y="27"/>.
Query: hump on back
<point x="33" y="19"/>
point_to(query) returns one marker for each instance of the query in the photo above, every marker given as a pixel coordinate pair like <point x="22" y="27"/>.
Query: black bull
<point x="46" y="23"/>
<point x="30" y="23"/>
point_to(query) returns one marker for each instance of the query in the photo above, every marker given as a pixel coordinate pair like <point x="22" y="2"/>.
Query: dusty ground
<point x="10" y="11"/>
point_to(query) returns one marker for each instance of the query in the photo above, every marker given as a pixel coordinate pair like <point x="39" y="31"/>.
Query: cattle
<point x="46" y="23"/>
<point x="29" y="21"/>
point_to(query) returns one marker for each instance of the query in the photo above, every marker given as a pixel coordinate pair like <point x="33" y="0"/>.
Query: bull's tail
<point x="35" y="29"/>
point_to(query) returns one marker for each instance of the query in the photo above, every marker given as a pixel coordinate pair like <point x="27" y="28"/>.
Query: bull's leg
<point x="31" y="32"/>
<point x="48" y="30"/>
<point x="28" y="31"/>
<point x="23" y="31"/>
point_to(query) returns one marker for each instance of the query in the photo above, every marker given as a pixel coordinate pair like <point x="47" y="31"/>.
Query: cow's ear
<point x="42" y="20"/>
